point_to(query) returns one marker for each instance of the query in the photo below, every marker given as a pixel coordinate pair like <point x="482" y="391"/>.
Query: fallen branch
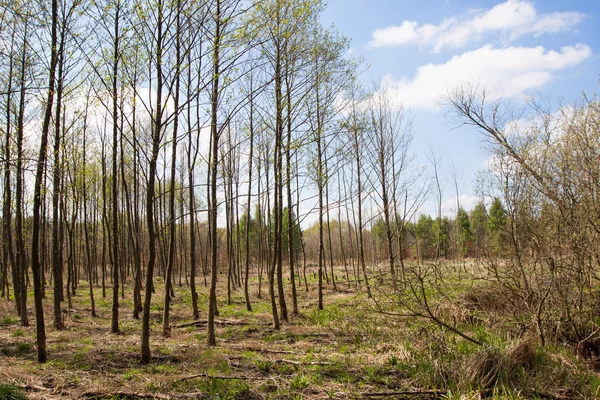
<point x="25" y="386"/>
<point x="217" y="322"/>
<point x="81" y="322"/>
<point x="204" y="375"/>
<point x="263" y="350"/>
<point x="165" y="357"/>
<point x="98" y="394"/>
<point x="319" y="334"/>
<point x="303" y="362"/>
<point x="435" y="393"/>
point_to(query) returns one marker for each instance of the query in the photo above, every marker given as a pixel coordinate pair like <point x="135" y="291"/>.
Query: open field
<point x="347" y="350"/>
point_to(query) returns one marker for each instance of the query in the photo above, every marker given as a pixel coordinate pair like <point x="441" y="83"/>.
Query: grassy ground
<point x="347" y="350"/>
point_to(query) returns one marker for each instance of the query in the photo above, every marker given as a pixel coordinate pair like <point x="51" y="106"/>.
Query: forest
<point x="201" y="199"/>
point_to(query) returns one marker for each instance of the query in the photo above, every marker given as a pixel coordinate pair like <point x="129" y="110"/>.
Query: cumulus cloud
<point x="513" y="19"/>
<point x="508" y="71"/>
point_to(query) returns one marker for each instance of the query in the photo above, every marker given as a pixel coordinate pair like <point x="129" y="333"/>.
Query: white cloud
<point x="509" y="71"/>
<point x="513" y="19"/>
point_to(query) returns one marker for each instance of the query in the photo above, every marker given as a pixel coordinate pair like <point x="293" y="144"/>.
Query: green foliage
<point x="379" y="230"/>
<point x="253" y="233"/>
<point x="496" y="226"/>
<point x="18" y="333"/>
<point x="11" y="392"/>
<point x="325" y="317"/>
<point x="372" y="374"/>
<point x="296" y="232"/>
<point x="24" y="348"/>
<point x="299" y="382"/>
<point x="441" y="226"/>
<point x="479" y="226"/>
<point x="464" y="233"/>
<point x="423" y="227"/>
<point x="425" y="236"/>
<point x="6" y="321"/>
<point x="264" y="366"/>
<point x="132" y="373"/>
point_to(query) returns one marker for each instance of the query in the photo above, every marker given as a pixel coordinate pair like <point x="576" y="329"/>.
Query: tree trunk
<point x="37" y="191"/>
<point x="156" y="134"/>
<point x="212" y="298"/>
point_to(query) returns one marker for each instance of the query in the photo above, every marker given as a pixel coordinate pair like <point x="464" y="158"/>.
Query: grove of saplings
<point x="190" y="141"/>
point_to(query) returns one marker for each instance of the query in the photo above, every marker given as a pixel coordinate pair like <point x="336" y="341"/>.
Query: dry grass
<point x="344" y="351"/>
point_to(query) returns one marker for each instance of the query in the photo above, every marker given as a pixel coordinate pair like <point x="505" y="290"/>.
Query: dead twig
<point x="435" y="393"/>
<point x="204" y="375"/>
<point x="102" y="394"/>
<point x="263" y="350"/>
<point x="222" y="322"/>
<point x="303" y="362"/>
<point x="25" y="386"/>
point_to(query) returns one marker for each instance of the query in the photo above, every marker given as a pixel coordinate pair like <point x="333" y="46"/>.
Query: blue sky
<point x="514" y="47"/>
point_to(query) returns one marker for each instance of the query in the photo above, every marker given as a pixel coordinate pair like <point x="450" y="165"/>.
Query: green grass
<point x="18" y="333"/>
<point x="299" y="382"/>
<point x="366" y="351"/>
<point x="132" y="373"/>
<point x="213" y="388"/>
<point x="11" y="392"/>
<point x="6" y="321"/>
<point x="264" y="366"/>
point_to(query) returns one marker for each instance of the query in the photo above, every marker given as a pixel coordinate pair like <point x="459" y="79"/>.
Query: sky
<point x="514" y="48"/>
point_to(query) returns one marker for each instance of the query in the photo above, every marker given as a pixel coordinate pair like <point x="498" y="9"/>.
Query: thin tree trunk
<point x="361" y="245"/>
<point x="114" y="325"/>
<point x="56" y="183"/>
<point x="37" y="191"/>
<point x="85" y="215"/>
<point x="291" y="220"/>
<point x="212" y="303"/>
<point x="21" y="262"/>
<point x="8" y="250"/>
<point x="192" y="200"/>
<point x="172" y="224"/>
<point x="156" y="134"/>
<point x="249" y="198"/>
<point x="330" y="244"/>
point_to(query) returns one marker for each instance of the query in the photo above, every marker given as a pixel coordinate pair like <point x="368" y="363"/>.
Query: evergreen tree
<point x="496" y="226"/>
<point x="464" y="232"/>
<point x="479" y="228"/>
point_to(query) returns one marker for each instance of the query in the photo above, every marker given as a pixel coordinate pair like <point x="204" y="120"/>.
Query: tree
<point x="390" y="138"/>
<point x="7" y="236"/>
<point x="172" y="217"/>
<point x="479" y="228"/>
<point x="463" y="231"/>
<point x="20" y="259"/>
<point x="37" y="200"/>
<point x="330" y="73"/>
<point x="440" y="230"/>
<point x="67" y="29"/>
<point x="543" y="209"/>
<point x="425" y="235"/>
<point x="356" y="126"/>
<point x="293" y="236"/>
<point x="157" y="128"/>
<point x="496" y="226"/>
